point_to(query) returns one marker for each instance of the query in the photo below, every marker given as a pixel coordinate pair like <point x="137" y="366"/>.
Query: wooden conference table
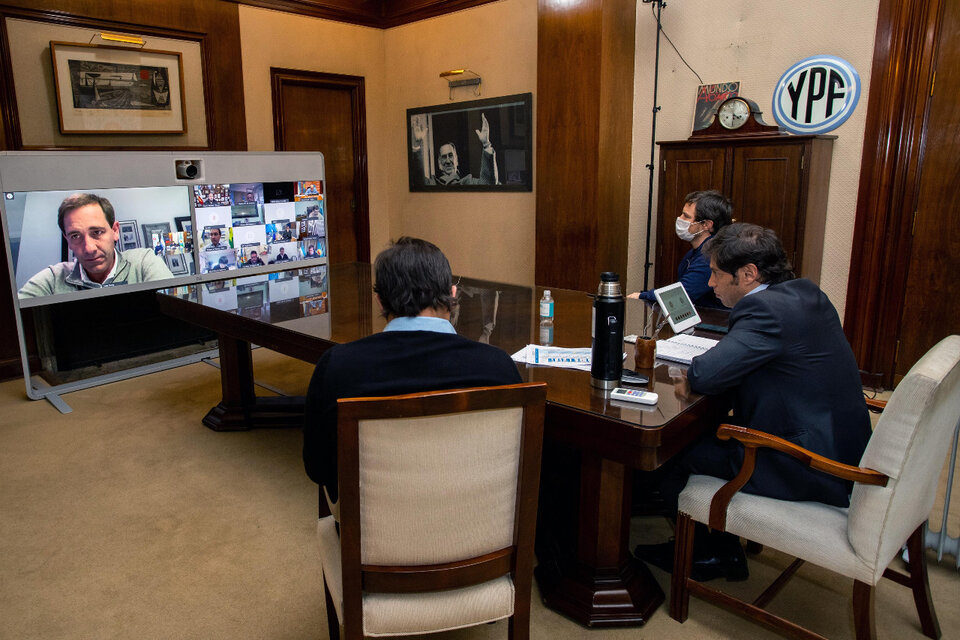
<point x="586" y="570"/>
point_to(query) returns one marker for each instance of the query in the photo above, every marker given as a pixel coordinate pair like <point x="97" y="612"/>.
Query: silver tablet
<point x="677" y="306"/>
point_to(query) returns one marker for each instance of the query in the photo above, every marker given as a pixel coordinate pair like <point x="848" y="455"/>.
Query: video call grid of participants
<point x="307" y="290"/>
<point x="254" y="224"/>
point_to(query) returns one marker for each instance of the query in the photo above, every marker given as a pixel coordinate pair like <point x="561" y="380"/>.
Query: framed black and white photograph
<point x="129" y="238"/>
<point x="177" y="264"/>
<point x="159" y="228"/>
<point x="109" y="89"/>
<point x="480" y="145"/>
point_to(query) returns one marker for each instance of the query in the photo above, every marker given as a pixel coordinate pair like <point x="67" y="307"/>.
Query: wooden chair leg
<point x="518" y="625"/>
<point x="920" y="584"/>
<point x="682" y="563"/>
<point x="863" y="618"/>
<point x="333" y="623"/>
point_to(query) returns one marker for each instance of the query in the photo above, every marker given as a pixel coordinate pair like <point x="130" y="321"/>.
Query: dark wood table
<point x="586" y="570"/>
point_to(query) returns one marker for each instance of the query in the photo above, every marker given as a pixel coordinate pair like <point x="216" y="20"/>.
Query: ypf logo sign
<point x="816" y="95"/>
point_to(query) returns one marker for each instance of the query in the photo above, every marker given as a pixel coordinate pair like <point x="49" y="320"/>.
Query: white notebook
<point x="683" y="348"/>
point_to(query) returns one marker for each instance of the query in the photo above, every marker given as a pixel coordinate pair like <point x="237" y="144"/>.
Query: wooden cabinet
<point x="776" y="181"/>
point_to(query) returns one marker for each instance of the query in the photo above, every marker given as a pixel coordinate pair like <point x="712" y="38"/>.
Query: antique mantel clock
<point x="737" y="117"/>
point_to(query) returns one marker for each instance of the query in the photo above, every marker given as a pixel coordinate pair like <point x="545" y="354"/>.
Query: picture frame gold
<point x="110" y="89"/>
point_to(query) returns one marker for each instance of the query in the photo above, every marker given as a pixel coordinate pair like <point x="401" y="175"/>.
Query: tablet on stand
<point x="677" y="306"/>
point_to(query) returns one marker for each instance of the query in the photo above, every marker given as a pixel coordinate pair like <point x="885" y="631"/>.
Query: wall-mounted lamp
<point x="458" y="78"/>
<point x="116" y="37"/>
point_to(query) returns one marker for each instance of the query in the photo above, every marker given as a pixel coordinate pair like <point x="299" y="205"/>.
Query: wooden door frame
<point x="355" y="84"/>
<point x="904" y="61"/>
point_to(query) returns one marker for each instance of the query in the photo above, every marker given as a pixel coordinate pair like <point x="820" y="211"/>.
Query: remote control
<point x="634" y="395"/>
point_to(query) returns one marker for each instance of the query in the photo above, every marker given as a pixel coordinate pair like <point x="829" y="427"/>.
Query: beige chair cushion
<point x="473" y="456"/>
<point x="408" y="614"/>
<point x="812" y="531"/>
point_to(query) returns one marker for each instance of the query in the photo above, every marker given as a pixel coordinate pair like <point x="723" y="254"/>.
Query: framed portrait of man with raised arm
<point x="480" y="145"/>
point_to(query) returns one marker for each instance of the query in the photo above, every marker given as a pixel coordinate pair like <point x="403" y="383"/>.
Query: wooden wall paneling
<point x="382" y="14"/>
<point x="584" y="123"/>
<point x="820" y="156"/>
<point x="903" y="62"/>
<point x="931" y="304"/>
<point x="614" y="167"/>
<point x="216" y="25"/>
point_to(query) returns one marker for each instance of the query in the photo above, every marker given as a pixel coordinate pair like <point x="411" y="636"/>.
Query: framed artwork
<point x="184" y="224"/>
<point x="107" y="89"/>
<point x="159" y="228"/>
<point x="129" y="238"/>
<point x="176" y="263"/>
<point x="480" y="145"/>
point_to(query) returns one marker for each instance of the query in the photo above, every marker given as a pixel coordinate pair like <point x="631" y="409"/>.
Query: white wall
<point x="754" y="43"/>
<point x="485" y="235"/>
<point x="277" y="39"/>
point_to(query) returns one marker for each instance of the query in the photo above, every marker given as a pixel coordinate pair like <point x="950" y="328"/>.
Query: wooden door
<point x="931" y="307"/>
<point x="766" y="190"/>
<point x="326" y="113"/>
<point x="684" y="170"/>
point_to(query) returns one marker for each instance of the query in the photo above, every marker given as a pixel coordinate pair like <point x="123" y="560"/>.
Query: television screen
<point x="67" y="241"/>
<point x="80" y="225"/>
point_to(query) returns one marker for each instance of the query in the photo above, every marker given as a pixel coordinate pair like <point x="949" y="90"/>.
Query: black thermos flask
<point x="606" y="362"/>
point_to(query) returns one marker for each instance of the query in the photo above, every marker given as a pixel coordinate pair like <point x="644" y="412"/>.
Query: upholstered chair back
<point x="909" y="445"/>
<point x="473" y="456"/>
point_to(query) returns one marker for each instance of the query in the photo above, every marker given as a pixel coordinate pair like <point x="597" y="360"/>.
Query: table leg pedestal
<point x="240" y="408"/>
<point x="605" y="586"/>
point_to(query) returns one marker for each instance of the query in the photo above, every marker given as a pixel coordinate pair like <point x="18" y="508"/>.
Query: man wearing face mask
<point x="704" y="214"/>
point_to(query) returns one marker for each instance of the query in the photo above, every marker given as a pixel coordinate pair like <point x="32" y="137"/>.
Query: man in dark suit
<point x="418" y="350"/>
<point x="788" y="370"/>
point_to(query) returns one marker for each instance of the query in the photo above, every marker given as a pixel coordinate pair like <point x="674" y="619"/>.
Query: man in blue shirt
<point x="419" y="350"/>
<point x="704" y="214"/>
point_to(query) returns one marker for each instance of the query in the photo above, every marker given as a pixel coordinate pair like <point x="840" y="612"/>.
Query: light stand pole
<point x="660" y="4"/>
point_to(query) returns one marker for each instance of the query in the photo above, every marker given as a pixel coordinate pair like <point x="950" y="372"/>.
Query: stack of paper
<point x="554" y="357"/>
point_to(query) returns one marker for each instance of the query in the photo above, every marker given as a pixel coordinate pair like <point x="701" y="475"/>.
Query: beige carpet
<point x="129" y="519"/>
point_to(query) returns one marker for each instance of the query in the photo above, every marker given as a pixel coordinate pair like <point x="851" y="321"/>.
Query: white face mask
<point x="683" y="230"/>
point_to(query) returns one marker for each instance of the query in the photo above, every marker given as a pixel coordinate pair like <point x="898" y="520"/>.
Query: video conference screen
<point x="100" y="240"/>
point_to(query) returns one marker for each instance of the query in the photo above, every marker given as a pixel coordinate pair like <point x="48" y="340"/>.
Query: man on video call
<point x="88" y="223"/>
<point x="419" y="350"/>
<point x="449" y="163"/>
<point x="788" y="370"/>
<point x="215" y="235"/>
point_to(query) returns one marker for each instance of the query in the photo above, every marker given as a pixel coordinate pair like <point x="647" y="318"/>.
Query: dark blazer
<point x="390" y="363"/>
<point x="789" y="370"/>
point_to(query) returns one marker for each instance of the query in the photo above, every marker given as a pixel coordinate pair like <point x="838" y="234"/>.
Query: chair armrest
<point x="752" y="440"/>
<point x="875" y="405"/>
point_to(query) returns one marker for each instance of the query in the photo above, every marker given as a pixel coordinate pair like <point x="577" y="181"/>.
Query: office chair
<point x="438" y="502"/>
<point x="894" y="490"/>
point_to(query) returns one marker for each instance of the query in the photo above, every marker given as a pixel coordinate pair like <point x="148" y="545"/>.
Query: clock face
<point x="733" y="113"/>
